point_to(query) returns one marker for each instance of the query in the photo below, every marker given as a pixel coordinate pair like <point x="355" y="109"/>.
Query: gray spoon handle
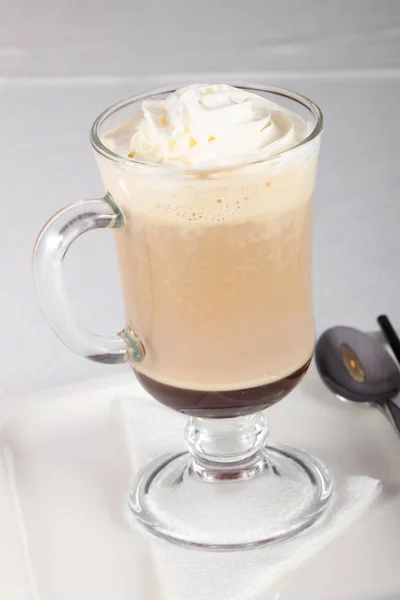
<point x="392" y="412"/>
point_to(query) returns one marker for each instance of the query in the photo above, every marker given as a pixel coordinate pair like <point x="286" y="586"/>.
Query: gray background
<point x="63" y="61"/>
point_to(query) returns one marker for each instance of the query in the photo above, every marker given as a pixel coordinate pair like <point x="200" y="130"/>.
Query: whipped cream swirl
<point x="213" y="125"/>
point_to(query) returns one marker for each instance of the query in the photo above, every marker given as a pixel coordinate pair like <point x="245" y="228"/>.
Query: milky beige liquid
<point x="216" y="273"/>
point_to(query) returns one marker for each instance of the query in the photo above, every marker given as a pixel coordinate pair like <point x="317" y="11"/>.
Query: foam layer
<point x="236" y="194"/>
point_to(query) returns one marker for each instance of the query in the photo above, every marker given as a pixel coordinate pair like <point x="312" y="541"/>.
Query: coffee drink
<point x="215" y="252"/>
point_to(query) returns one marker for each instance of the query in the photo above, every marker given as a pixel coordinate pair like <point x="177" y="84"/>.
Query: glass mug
<point x="216" y="276"/>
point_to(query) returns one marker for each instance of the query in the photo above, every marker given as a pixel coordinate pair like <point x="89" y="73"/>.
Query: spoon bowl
<point x="356" y="366"/>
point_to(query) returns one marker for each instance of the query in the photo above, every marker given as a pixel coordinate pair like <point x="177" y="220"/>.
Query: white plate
<point x="66" y="468"/>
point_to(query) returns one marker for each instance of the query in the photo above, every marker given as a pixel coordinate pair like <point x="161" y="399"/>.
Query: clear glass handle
<point x="50" y="250"/>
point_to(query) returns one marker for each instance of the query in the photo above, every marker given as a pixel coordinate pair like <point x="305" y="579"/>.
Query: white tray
<point x="66" y="468"/>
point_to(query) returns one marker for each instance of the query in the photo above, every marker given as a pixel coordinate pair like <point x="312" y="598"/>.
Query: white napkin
<point x="152" y="430"/>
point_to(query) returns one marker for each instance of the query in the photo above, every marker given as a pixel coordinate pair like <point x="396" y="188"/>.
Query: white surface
<point x="62" y="62"/>
<point x="67" y="463"/>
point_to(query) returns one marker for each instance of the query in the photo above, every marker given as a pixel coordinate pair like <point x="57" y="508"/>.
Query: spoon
<point x="357" y="367"/>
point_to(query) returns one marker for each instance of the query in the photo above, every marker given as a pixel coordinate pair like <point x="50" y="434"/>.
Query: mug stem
<point x="227" y="448"/>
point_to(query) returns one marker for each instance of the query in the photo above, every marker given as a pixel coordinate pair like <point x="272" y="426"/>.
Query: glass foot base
<point x="230" y="507"/>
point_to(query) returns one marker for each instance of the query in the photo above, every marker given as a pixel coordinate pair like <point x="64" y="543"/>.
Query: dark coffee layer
<point x="219" y="404"/>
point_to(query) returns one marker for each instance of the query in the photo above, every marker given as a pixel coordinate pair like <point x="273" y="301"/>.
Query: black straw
<point x="390" y="335"/>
